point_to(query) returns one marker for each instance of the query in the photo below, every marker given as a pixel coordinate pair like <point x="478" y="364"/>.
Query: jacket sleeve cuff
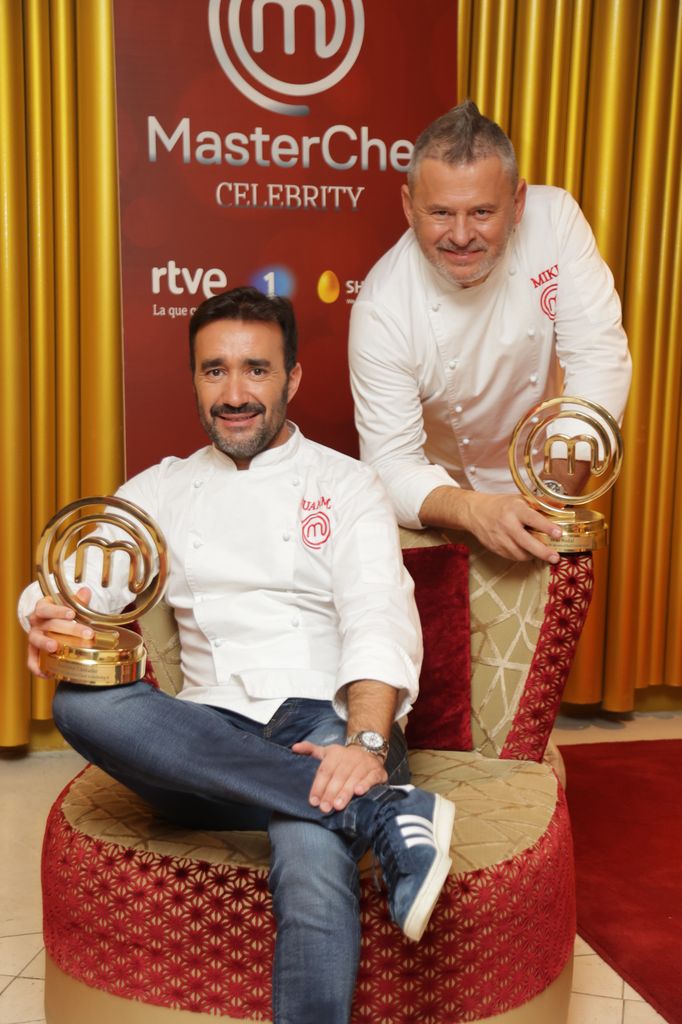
<point x="27" y="602"/>
<point x="392" y="667"/>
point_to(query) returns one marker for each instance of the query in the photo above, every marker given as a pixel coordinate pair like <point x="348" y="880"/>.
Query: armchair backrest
<point x="526" y="619"/>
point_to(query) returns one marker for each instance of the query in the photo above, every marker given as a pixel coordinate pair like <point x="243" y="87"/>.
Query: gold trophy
<point x="534" y="446"/>
<point x="114" y="655"/>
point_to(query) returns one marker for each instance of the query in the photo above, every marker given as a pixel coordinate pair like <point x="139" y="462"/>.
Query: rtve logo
<point x="260" y="44"/>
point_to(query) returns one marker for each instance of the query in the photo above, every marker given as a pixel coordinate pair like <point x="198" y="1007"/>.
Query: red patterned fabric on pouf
<point x="180" y="931"/>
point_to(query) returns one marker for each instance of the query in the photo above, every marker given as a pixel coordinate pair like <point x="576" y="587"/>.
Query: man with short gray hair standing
<point x="495" y="292"/>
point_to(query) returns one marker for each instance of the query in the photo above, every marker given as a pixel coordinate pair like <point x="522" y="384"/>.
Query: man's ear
<point x="407" y="204"/>
<point x="520" y="200"/>
<point x="293" y="381"/>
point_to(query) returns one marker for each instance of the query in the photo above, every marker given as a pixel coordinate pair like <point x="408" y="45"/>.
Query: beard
<point x="477" y="274"/>
<point x="473" y="276"/>
<point x="248" y="446"/>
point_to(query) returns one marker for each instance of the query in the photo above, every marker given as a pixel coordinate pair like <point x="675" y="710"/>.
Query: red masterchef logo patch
<point x="548" y="301"/>
<point x="316" y="529"/>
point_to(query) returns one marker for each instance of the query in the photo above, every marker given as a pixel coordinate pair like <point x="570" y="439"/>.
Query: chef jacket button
<point x="452" y="365"/>
<point x="472" y="470"/>
<point x="296" y="481"/>
<point x="466" y="440"/>
<point x="458" y="408"/>
<point x="218" y="642"/>
<point x="435" y="307"/>
<point x="512" y="271"/>
<point x="197" y="483"/>
<point x="197" y="543"/>
<point x="531" y="332"/>
<point x="295" y="621"/>
<point x="533" y="378"/>
<point x="286" y="535"/>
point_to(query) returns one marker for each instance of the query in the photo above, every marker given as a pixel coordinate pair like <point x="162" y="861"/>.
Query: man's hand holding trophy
<point x="111" y="654"/>
<point x="586" y="440"/>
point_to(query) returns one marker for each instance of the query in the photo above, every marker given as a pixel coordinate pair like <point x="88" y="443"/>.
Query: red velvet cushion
<point x="441" y="718"/>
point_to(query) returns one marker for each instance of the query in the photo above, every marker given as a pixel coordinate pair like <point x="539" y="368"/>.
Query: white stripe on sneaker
<point x="415" y="830"/>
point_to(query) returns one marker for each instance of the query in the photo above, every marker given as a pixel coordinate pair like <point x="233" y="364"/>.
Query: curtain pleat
<point x="15" y="430"/>
<point x="61" y="402"/>
<point x="591" y="100"/>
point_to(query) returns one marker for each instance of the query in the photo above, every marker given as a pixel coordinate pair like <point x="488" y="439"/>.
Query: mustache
<point x="231" y="410"/>
<point x="458" y="249"/>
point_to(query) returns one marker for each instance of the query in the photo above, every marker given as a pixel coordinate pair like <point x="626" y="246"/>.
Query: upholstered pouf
<point x="144" y="911"/>
<point x="146" y="923"/>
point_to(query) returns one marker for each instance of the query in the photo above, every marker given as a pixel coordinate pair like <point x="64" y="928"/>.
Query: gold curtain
<point x="590" y="92"/>
<point x="60" y="323"/>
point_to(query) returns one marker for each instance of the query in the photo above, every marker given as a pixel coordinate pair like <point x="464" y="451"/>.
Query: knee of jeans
<point x="67" y="708"/>
<point x="311" y="867"/>
<point x="77" y="710"/>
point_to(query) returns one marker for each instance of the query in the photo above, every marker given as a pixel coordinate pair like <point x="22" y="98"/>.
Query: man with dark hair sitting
<point x="300" y="647"/>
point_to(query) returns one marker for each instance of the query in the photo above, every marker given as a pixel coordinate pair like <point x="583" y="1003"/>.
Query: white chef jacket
<point x="441" y="374"/>
<point x="286" y="579"/>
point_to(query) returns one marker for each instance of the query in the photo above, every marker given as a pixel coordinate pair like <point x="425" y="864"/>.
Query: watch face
<point x="371" y="740"/>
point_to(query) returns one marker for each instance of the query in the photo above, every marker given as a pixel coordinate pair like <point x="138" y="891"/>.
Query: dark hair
<point x="463" y="136"/>
<point x="249" y="305"/>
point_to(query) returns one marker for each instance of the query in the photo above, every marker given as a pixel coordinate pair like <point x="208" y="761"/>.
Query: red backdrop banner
<point x="262" y="142"/>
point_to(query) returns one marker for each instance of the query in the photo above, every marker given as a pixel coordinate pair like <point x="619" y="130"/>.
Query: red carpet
<point x="625" y="801"/>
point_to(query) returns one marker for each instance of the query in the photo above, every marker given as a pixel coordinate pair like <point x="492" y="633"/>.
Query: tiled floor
<point x="30" y="784"/>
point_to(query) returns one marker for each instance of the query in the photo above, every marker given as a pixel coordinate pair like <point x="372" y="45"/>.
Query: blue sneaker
<point x="412" y="842"/>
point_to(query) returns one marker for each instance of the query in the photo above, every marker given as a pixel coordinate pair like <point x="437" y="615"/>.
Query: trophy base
<point x="585" y="531"/>
<point x="90" y="665"/>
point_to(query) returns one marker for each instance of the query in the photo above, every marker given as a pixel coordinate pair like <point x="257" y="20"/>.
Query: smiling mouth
<point x="461" y="254"/>
<point x="237" y="417"/>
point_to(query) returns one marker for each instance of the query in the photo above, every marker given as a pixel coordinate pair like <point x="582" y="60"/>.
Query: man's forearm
<point x="447" y="506"/>
<point x="504" y="523"/>
<point x="371" y="705"/>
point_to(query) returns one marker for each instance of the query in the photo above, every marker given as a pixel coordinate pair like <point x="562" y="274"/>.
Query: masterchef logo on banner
<point x="263" y="142"/>
<point x="245" y="66"/>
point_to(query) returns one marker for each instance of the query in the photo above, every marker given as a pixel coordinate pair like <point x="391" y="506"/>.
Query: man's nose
<point x="234" y="391"/>
<point x="461" y="230"/>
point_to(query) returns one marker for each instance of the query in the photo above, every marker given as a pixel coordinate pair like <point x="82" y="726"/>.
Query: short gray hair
<point x="463" y="136"/>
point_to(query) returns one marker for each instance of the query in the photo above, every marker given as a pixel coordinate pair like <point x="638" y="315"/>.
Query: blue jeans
<point x="205" y="767"/>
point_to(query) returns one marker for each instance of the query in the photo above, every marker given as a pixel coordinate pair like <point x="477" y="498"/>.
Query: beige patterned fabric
<point x="507" y="601"/>
<point x="163" y="646"/>
<point x="98" y="806"/>
<point x="503" y="807"/>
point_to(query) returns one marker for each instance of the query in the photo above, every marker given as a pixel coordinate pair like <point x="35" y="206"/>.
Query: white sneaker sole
<point x="422" y="908"/>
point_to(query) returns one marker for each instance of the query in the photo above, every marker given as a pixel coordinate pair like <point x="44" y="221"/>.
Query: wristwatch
<point x="554" y="486"/>
<point x="371" y="741"/>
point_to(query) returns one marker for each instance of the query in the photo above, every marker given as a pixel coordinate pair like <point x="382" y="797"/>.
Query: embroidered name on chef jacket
<point x="549" y="287"/>
<point x="315" y="527"/>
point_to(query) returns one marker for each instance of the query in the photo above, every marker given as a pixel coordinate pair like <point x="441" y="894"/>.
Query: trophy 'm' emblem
<point x="115" y="655"/>
<point x="587" y="440"/>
